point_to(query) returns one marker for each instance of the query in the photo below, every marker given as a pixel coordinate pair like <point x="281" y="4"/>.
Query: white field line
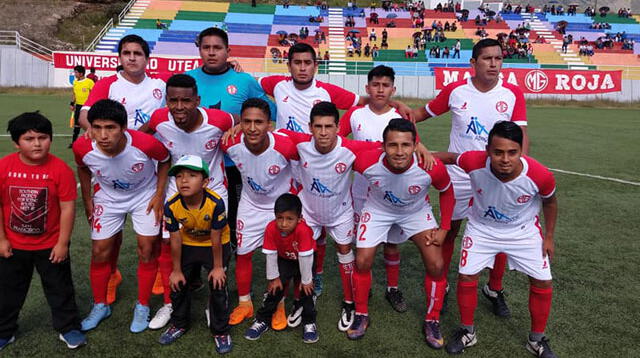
<point x="595" y="177"/>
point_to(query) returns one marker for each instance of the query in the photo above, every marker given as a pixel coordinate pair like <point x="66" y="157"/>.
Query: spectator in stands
<point x="456" y="49"/>
<point x="589" y="12"/>
<point x="603" y="13"/>
<point x="384" y="45"/>
<point x="407" y="52"/>
<point x="350" y="50"/>
<point x="323" y="37"/>
<point x="160" y="24"/>
<point x="374" y="51"/>
<point x="92" y="74"/>
<point x="326" y="57"/>
<point x="391" y="23"/>
<point x="565" y="43"/>
<point x="324" y="5"/>
<point x="414" y="51"/>
<point x="316" y="38"/>
<point x="373" y="5"/>
<point x="423" y="43"/>
<point x="445" y="52"/>
<point x="349" y="4"/>
<point x="374" y="18"/>
<point x="372" y="35"/>
<point x="285" y="4"/>
<point x="367" y="50"/>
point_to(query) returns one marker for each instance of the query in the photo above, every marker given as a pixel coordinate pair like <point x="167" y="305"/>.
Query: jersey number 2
<point x="363" y="229"/>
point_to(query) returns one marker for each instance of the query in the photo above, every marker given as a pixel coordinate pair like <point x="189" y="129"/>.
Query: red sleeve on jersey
<point x="220" y="119"/>
<point x="67" y="190"/>
<point x="364" y="160"/>
<point x="542" y="177"/>
<point x="447" y="203"/>
<point x="285" y="146"/>
<point x="357" y="146"/>
<point x="270" y="234"/>
<point x="100" y="90"/>
<point x="149" y="145"/>
<point x="344" y="126"/>
<point x="296" y="137"/>
<point x="159" y="115"/>
<point x="81" y="147"/>
<point x="304" y="236"/>
<point x="342" y="98"/>
<point x="269" y="83"/>
<point x="231" y="142"/>
<point x="472" y="160"/>
<point x="519" y="108"/>
<point x="440" y="104"/>
<point x="439" y="176"/>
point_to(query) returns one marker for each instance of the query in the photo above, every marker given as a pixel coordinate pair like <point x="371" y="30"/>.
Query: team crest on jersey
<point x="274" y="170"/>
<point x="157" y="94"/>
<point x="365" y="217"/>
<point x="239" y="224"/>
<point x="414" y="189"/>
<point x="231" y="89"/>
<point x="467" y="242"/>
<point x="523" y="199"/>
<point x="341" y="168"/>
<point x="137" y="167"/>
<point x="502" y="106"/>
<point x="210" y="145"/>
<point x="98" y="210"/>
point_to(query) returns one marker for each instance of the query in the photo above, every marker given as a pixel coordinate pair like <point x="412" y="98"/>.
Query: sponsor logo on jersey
<point x="231" y="89"/>
<point x="341" y="168"/>
<point x="141" y="117"/>
<point x="137" y="167"/>
<point x="210" y="145"/>
<point x="476" y="127"/>
<point x="274" y="170"/>
<point x="119" y="184"/>
<point x="502" y="106"/>
<point x="319" y="187"/>
<point x="255" y="186"/>
<point x="292" y="125"/>
<point x="523" y="199"/>
<point x="496" y="215"/>
<point x="414" y="189"/>
<point x="467" y="242"/>
<point x="390" y="197"/>
<point x="157" y="93"/>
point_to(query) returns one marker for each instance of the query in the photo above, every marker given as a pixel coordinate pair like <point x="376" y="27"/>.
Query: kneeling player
<point x="508" y="192"/>
<point x="195" y="218"/>
<point x="288" y="246"/>
<point x="122" y="163"/>
<point x="398" y="190"/>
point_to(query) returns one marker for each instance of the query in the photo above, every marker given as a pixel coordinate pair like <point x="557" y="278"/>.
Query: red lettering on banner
<point x="543" y="80"/>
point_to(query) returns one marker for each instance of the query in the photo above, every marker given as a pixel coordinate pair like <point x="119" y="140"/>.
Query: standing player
<point x="398" y="197"/>
<point x="122" y="163"/>
<point x="476" y="104"/>
<point x="224" y="88"/>
<point x="81" y="88"/>
<point x="509" y="189"/>
<point x="185" y="128"/>
<point x="263" y="159"/>
<point x="140" y="95"/>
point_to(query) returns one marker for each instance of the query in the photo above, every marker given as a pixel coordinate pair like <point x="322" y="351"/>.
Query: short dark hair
<point x="322" y="109"/>
<point x="301" y="47"/>
<point x="29" y="121"/>
<point x="110" y="110"/>
<point x="482" y="44"/>
<point x="506" y="130"/>
<point x="135" y="39"/>
<point x="80" y="69"/>
<point x="213" y="31"/>
<point x="182" y="80"/>
<point x="288" y="202"/>
<point x="257" y="103"/>
<point x="381" y="71"/>
<point x="400" y="125"/>
<point x="92" y="70"/>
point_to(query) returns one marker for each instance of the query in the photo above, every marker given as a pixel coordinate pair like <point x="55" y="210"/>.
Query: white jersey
<point x="265" y="176"/>
<point x="204" y="142"/>
<point x="399" y="194"/>
<point x="506" y="211"/>
<point x="140" y="99"/>
<point x="294" y="106"/>
<point x="124" y="177"/>
<point x="474" y="113"/>
<point x="326" y="179"/>
<point x="365" y="125"/>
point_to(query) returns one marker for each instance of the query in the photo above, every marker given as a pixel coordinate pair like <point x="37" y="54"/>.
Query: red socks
<point x="392" y="266"/>
<point x="447" y="254"/>
<point x="361" y="287"/>
<point x="244" y="270"/>
<point x="346" y="265"/>
<point x="165" y="266"/>
<point x="99" y="273"/>
<point x="497" y="272"/>
<point x="146" y="277"/>
<point x="539" y="307"/>
<point x="467" y="293"/>
<point x="434" y="289"/>
<point x="321" y="249"/>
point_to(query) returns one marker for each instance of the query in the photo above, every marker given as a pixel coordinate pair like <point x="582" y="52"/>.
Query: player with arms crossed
<point x="122" y="162"/>
<point x="263" y="159"/>
<point x="509" y="189"/>
<point x="398" y="196"/>
<point x="476" y="104"/>
<point x="185" y="128"/>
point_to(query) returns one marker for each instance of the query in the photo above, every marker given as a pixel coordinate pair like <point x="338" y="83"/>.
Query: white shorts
<point x="462" y="191"/>
<point x="342" y="234"/>
<point x="395" y="234"/>
<point x="374" y="227"/>
<point x="109" y="217"/>
<point x="250" y="226"/>
<point x="524" y="255"/>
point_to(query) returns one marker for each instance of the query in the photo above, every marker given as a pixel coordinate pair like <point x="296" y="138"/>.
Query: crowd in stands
<point x="516" y="44"/>
<point x="510" y="9"/>
<point x="601" y="26"/>
<point x="626" y="13"/>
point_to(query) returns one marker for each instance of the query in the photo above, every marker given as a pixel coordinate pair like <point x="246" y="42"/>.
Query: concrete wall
<point x="18" y="68"/>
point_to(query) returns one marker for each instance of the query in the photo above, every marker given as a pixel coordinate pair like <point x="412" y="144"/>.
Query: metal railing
<point x="14" y="38"/>
<point x="126" y="9"/>
<point x="109" y="25"/>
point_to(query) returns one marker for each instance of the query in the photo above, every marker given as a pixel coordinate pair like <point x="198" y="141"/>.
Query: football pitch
<point x="596" y="287"/>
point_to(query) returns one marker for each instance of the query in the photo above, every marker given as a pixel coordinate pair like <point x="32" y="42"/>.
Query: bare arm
<point x="447" y="157"/>
<point x="60" y="252"/>
<point x="146" y="129"/>
<point x="83" y="120"/>
<point x="84" y="176"/>
<point x="420" y="114"/>
<point x="550" y="211"/>
<point x="157" y="201"/>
